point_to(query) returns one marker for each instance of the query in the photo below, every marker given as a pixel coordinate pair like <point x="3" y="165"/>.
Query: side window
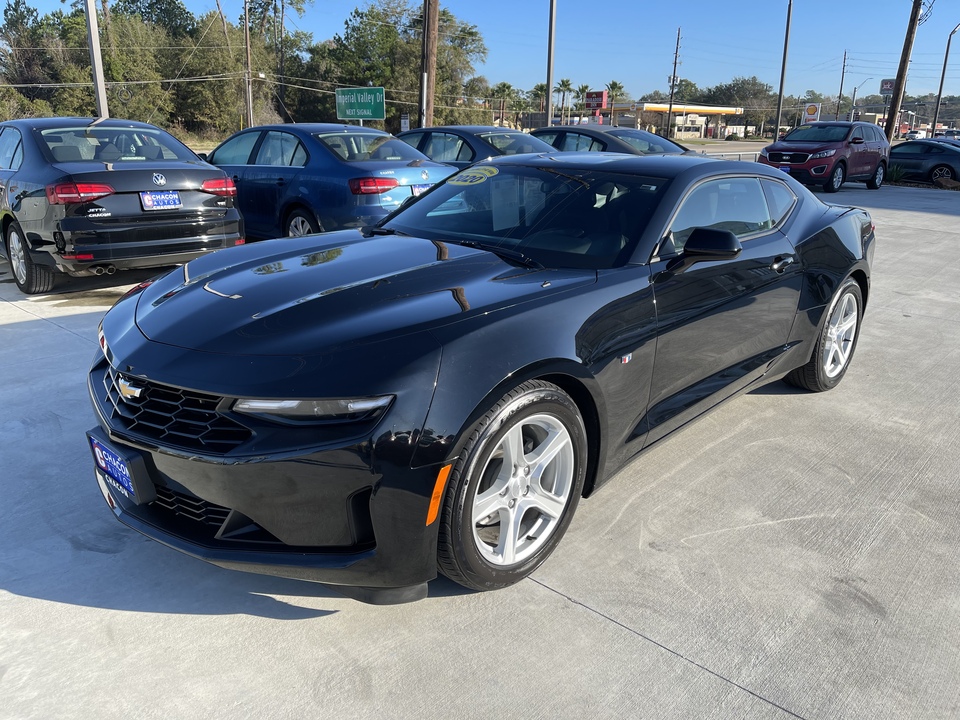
<point x="299" y="156"/>
<point x="413" y="140"/>
<point x="444" y="147"/>
<point x="277" y="148"/>
<point x="574" y="141"/>
<point x="550" y="138"/>
<point x="9" y="143"/>
<point x="734" y="204"/>
<point x="235" y="151"/>
<point x="780" y="200"/>
<point x="857" y="133"/>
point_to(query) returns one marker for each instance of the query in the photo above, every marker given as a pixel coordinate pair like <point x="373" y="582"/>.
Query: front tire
<point x="514" y="489"/>
<point x="31" y="278"/>
<point x="941" y="172"/>
<point x="876" y="181"/>
<point x="302" y="223"/>
<point x="835" y="346"/>
<point x="837" y="176"/>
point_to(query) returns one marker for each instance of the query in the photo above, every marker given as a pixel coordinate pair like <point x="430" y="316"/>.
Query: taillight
<point x="223" y="187"/>
<point x="372" y="185"/>
<point x="74" y="193"/>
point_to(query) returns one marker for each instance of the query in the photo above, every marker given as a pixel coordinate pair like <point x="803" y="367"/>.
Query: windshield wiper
<point x="505" y="253"/>
<point x="377" y="230"/>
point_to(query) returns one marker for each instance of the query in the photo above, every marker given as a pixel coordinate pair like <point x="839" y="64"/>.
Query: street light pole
<point x="936" y="110"/>
<point x="550" y="34"/>
<point x="783" y="67"/>
<point x="853" y="103"/>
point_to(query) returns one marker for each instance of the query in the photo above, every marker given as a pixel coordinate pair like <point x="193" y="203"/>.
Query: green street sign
<point x="360" y="104"/>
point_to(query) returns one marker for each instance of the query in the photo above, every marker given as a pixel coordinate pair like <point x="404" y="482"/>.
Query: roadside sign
<point x="404" y="122"/>
<point x="360" y="104"/>
<point x="886" y="86"/>
<point x="811" y="113"/>
<point x="595" y="99"/>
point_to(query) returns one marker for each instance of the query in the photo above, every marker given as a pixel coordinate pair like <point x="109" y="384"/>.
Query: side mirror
<point x="856" y="141"/>
<point x="706" y="245"/>
<point x="202" y="156"/>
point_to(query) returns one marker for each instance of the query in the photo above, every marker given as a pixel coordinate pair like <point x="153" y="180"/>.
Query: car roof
<point x="57" y="122"/>
<point x="664" y="166"/>
<point x="474" y="129"/>
<point x="320" y="127"/>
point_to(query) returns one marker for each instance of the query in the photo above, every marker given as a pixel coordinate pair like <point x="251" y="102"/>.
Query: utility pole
<point x="673" y="84"/>
<point x="433" y="26"/>
<point x="249" y="79"/>
<point x="901" y="83"/>
<point x="550" y="32"/>
<point x="783" y="68"/>
<point x="843" y="74"/>
<point x="96" y="60"/>
<point x="936" y="110"/>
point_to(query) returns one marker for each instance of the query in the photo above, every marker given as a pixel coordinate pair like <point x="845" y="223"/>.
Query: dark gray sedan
<point x="607" y="138"/>
<point x="929" y="160"/>
<point x="463" y="145"/>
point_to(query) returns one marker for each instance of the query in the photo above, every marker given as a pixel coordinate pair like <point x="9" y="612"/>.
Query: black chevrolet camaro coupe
<point x="367" y="407"/>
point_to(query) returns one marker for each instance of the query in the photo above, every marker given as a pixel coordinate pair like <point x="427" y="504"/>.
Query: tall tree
<point x="502" y="91"/>
<point x="564" y="87"/>
<point x="581" y="95"/>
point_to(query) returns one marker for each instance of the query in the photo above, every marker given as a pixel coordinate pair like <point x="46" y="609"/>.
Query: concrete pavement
<point x="791" y="555"/>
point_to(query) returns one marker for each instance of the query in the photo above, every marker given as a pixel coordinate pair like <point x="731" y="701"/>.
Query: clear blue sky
<point x="633" y="41"/>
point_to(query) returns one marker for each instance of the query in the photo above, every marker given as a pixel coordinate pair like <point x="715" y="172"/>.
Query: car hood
<point x="807" y="147"/>
<point x="308" y="295"/>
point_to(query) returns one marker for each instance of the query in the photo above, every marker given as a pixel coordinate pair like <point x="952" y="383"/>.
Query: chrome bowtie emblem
<point x="159" y="179"/>
<point x="424" y="174"/>
<point x="128" y="390"/>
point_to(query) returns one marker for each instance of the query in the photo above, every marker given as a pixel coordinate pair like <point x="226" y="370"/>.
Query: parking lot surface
<point x="790" y="555"/>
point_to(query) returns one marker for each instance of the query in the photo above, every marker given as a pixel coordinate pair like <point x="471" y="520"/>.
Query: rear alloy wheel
<point x="301" y="223"/>
<point x="514" y="488"/>
<point x="876" y="181"/>
<point x="30" y="277"/>
<point x="941" y="172"/>
<point x="837" y="176"/>
<point x="836" y="344"/>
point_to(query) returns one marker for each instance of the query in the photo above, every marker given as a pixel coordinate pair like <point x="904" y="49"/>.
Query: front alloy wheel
<point x="837" y="176"/>
<point x="514" y="489"/>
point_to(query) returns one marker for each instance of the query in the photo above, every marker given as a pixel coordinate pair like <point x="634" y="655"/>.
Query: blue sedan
<point x="298" y="179"/>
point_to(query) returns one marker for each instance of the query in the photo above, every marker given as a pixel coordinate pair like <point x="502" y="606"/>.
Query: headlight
<point x="823" y="154"/>
<point x="337" y="410"/>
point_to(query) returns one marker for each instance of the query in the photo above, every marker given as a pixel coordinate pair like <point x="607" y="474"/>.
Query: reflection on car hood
<point x="300" y="296"/>
<point x="798" y="146"/>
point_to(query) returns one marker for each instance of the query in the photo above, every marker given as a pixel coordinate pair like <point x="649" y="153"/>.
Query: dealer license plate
<point x="160" y="200"/>
<point x="113" y="467"/>
<point x="785" y="169"/>
<point x="417" y="189"/>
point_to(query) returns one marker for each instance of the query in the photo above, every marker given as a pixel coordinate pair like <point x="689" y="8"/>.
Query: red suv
<point x="828" y="153"/>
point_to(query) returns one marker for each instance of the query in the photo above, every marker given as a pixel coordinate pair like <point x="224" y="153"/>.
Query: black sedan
<point x="88" y="196"/>
<point x="929" y="160"/>
<point x="298" y="179"/>
<point x="463" y="145"/>
<point x="364" y="408"/>
<point x="607" y="138"/>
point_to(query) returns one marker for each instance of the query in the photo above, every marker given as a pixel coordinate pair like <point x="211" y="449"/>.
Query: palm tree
<point x="563" y="87"/>
<point x="539" y="95"/>
<point x="581" y="94"/>
<point x="615" y="91"/>
<point x="502" y="91"/>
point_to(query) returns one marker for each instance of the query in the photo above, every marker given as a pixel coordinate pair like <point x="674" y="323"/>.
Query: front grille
<point x="191" y="507"/>
<point x="181" y="418"/>
<point x="789" y="158"/>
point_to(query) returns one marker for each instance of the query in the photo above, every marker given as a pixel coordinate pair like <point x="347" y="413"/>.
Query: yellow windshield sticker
<point x="473" y="176"/>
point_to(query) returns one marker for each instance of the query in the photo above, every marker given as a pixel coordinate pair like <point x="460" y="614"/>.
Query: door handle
<point x="781" y="263"/>
<point x="236" y="179"/>
<point x="281" y="182"/>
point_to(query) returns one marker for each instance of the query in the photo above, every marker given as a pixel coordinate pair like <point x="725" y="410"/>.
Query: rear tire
<point x="31" y="278"/>
<point x="837" y="341"/>
<point x="879" y="174"/>
<point x="514" y="489"/>
<point x="941" y="172"/>
<point x="837" y="176"/>
<point x="302" y="223"/>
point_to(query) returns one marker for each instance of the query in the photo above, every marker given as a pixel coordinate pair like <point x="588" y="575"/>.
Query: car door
<point x="721" y="323"/>
<point x="859" y="154"/>
<point x="270" y="179"/>
<point x="911" y="157"/>
<point x="233" y="157"/>
<point x="11" y="155"/>
<point x="449" y="149"/>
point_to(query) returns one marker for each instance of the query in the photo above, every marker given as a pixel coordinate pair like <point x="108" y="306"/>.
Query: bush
<point x="732" y="136"/>
<point x="895" y="173"/>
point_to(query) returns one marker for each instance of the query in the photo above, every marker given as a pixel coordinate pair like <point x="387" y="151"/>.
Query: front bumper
<point x="812" y="172"/>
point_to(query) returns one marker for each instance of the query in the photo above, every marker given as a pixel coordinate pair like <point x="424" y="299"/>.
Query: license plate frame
<point x="152" y="200"/>
<point x="122" y="469"/>
<point x="419" y="189"/>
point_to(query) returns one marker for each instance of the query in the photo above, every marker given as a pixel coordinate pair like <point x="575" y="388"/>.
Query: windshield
<point x="558" y="217"/>
<point x="818" y="133"/>
<point x="647" y="143"/>
<point x="357" y="146"/>
<point x="76" y="143"/>
<point x="512" y="143"/>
